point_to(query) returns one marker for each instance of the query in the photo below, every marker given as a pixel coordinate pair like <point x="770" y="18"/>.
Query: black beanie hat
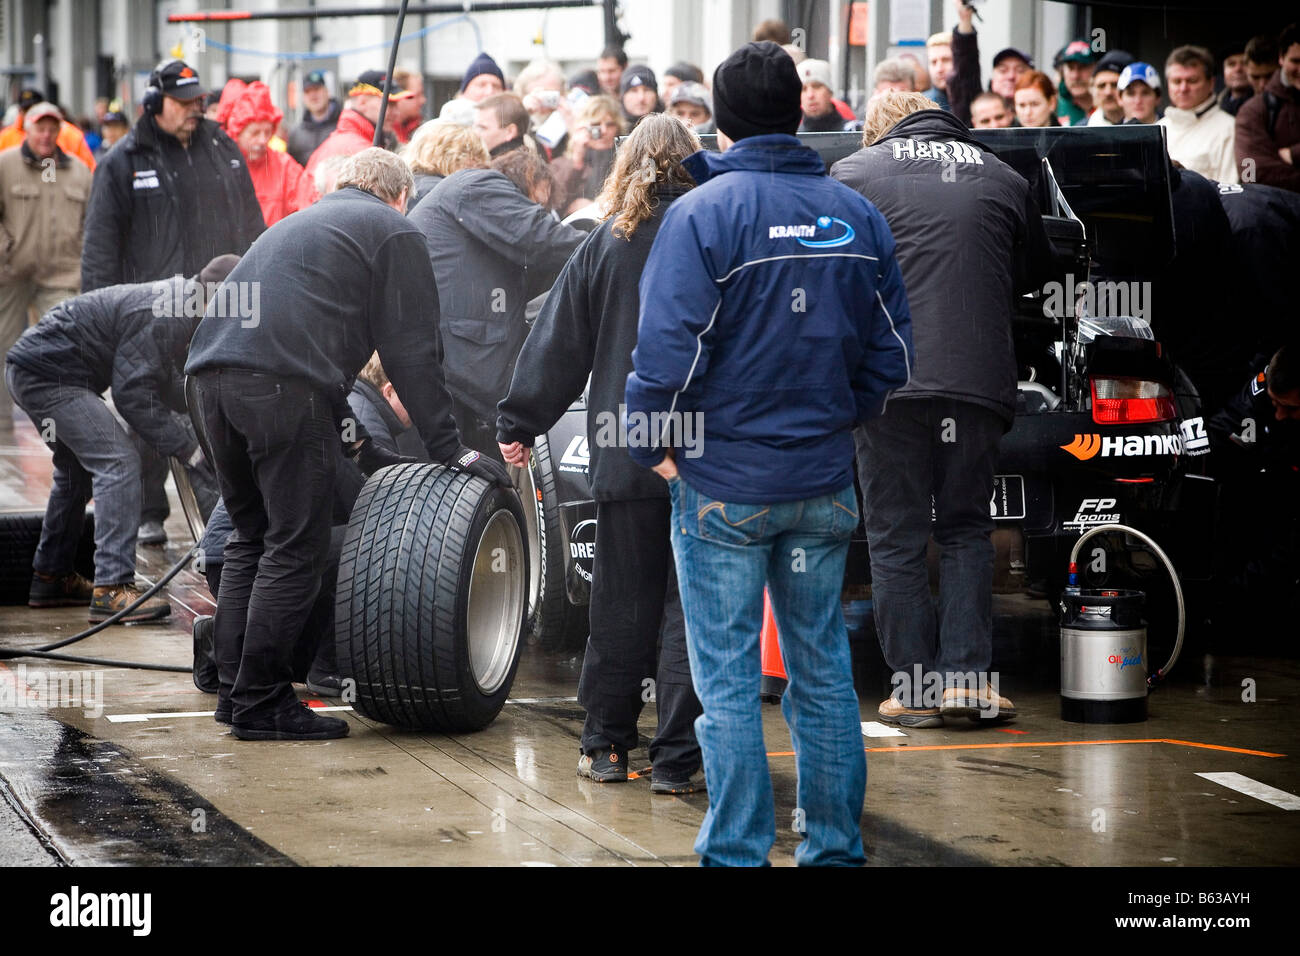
<point x="481" y="64"/>
<point x="756" y="92"/>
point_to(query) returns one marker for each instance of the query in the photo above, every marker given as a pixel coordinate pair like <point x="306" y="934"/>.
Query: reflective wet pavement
<point x="153" y="780"/>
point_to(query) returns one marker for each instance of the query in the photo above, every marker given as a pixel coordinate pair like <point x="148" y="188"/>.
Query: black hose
<point x="44" y="652"/>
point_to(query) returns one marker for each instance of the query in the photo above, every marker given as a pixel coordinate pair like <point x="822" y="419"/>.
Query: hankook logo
<point x="1120" y="446"/>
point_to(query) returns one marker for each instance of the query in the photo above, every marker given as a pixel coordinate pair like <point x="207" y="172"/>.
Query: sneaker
<point x="606" y="765"/>
<point x="979" y="704"/>
<point x="205" y="665"/>
<point x="299" y="723"/>
<point x="327" y="685"/>
<point x="892" y="711"/>
<point x="107" y="601"/>
<point x="692" y="784"/>
<point x="59" y="590"/>
<point x="151" y="533"/>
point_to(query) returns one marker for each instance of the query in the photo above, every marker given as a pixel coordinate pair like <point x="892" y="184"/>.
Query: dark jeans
<point x="634" y="608"/>
<point x="274" y="445"/>
<point x="154" y="469"/>
<point x="93" y="454"/>
<point x="946" y="448"/>
<point x="314" y="652"/>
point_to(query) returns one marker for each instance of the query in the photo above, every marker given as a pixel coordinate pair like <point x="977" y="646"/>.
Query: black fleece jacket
<point x="588" y="326"/>
<point x="335" y="282"/>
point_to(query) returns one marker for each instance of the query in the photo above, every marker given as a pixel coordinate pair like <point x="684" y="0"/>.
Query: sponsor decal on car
<point x="582" y="548"/>
<point x="1093" y="511"/>
<point x="577" y="456"/>
<point x="1195" y="441"/>
<point x="1084" y="447"/>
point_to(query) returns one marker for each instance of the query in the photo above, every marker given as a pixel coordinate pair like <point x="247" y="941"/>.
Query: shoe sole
<point x="244" y="733"/>
<point x="677" y="789"/>
<point x="975" y="714"/>
<point x="323" y="690"/>
<point x="134" y="617"/>
<point x="916" y="723"/>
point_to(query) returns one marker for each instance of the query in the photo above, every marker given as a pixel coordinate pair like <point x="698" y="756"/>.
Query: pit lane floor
<point x="152" y="779"/>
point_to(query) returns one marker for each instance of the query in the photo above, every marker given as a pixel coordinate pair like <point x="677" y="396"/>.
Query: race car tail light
<point x="1130" y="401"/>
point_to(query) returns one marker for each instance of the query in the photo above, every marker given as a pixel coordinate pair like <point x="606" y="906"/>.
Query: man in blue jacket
<point x="773" y="319"/>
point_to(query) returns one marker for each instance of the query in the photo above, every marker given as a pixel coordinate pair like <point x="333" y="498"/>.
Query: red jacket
<point x="353" y="134"/>
<point x="277" y="177"/>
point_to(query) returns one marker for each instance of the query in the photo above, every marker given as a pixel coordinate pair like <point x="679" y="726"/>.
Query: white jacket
<point x="1202" y="140"/>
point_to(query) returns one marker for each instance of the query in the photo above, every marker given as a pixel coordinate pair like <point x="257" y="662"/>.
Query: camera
<point x="594" y="130"/>
<point x="549" y="99"/>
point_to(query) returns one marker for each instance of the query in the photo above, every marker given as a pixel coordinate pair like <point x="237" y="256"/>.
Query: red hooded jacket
<point x="353" y="134"/>
<point x="277" y="177"/>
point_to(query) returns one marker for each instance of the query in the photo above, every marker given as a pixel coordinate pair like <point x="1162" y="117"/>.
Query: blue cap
<point x="1143" y="72"/>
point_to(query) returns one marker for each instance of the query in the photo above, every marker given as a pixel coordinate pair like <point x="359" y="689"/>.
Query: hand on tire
<point x="371" y="457"/>
<point x="466" y="459"/>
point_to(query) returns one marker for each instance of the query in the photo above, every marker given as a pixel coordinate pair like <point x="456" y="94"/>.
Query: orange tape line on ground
<point x="1053" y="743"/>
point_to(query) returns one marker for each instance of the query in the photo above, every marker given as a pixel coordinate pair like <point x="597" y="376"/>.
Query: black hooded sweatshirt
<point x="588" y="326"/>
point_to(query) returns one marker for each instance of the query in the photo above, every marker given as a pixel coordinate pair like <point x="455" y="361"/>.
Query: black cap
<point x="29" y="98"/>
<point x="314" y="78"/>
<point x="372" y="81"/>
<point x="1013" y="51"/>
<point x="686" y="72"/>
<point x="114" y="116"/>
<point x="180" y="81"/>
<point x="1113" y="62"/>
<point x="756" y="92"/>
<point x="585" y="80"/>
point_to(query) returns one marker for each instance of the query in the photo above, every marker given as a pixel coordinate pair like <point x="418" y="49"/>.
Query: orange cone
<point x="769" y="643"/>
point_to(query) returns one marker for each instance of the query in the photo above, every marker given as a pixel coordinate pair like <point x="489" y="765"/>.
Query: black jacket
<point x="588" y="326"/>
<point x="1264" y="249"/>
<point x="130" y="338"/>
<point x="970" y="239"/>
<point x="310" y="133"/>
<point x="335" y="282"/>
<point x="1246" y="436"/>
<point x="424" y="183"/>
<point x="377" y="417"/>
<point x="492" y="250"/>
<point x="158" y="209"/>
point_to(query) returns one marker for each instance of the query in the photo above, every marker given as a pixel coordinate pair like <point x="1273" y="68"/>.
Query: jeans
<point x="923" y="447"/>
<point x="275" y="448"/>
<point x="635" y="608"/>
<point x="93" y="455"/>
<point x="725" y="554"/>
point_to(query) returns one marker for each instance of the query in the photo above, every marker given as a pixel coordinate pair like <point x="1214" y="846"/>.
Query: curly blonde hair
<point x="886" y="109"/>
<point x="652" y="154"/>
<point x="440" y="148"/>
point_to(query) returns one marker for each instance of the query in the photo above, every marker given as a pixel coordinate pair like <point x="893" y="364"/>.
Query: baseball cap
<point x="180" y="81"/>
<point x="691" y="92"/>
<point x="1113" y="62"/>
<point x="1013" y="51"/>
<point x="1139" y="72"/>
<point x="814" y="71"/>
<point x="114" y="116"/>
<point x="29" y="98"/>
<point x="42" y="110"/>
<point x="1076" y="51"/>
<point x="371" y="83"/>
<point x="313" y="79"/>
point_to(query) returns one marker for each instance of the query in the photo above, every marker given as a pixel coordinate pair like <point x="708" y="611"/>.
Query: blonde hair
<point x="536" y="71"/>
<point x="887" y="108"/>
<point x="939" y="39"/>
<point x="652" y="154"/>
<point x="595" y="108"/>
<point x="373" y="372"/>
<point x="441" y="147"/>
<point x="378" y="172"/>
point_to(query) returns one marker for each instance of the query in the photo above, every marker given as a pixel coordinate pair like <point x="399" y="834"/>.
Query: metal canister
<point x="1103" y="657"/>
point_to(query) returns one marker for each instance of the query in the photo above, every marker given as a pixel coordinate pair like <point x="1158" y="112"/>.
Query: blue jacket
<point x="773" y="319"/>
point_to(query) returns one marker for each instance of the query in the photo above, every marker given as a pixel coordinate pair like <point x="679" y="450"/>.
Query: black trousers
<point x="275" y="447"/>
<point x="314" y="652"/>
<point x="636" y="612"/>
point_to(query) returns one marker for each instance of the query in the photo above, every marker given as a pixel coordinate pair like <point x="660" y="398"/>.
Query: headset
<point x="152" y="102"/>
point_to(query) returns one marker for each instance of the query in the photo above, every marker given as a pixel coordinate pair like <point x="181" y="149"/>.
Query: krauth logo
<point x="1120" y="446"/>
<point x="827" y="233"/>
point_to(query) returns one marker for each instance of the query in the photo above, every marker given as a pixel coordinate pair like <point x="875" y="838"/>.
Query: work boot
<point x="693" y="783"/>
<point x="979" y="704"/>
<point x="151" y="533"/>
<point x="606" y="765"/>
<point x="59" y="590"/>
<point x="892" y="711"/>
<point x="205" y="665"/>
<point x="298" y="723"/>
<point x="107" y="601"/>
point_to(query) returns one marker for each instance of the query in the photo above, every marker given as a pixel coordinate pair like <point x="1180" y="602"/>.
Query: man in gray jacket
<point x="969" y="241"/>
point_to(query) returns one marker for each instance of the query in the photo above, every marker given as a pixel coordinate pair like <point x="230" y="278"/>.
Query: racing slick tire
<point x="432" y="598"/>
<point x="555" y="623"/>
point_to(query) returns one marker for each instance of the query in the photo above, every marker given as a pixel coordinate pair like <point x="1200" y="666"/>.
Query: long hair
<point x="651" y="155"/>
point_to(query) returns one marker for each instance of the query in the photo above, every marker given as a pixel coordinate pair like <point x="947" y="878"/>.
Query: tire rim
<point x="532" y="528"/>
<point x="495" y="604"/>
